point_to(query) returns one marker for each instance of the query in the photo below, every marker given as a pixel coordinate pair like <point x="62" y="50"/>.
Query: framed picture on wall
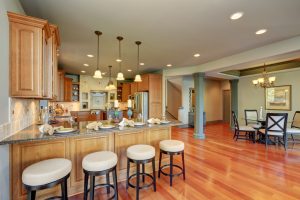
<point x="278" y="97"/>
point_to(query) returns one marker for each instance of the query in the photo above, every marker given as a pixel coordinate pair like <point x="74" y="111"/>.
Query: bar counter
<point x="29" y="146"/>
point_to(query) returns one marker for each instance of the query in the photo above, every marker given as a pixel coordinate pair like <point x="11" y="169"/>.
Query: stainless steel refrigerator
<point x="141" y="105"/>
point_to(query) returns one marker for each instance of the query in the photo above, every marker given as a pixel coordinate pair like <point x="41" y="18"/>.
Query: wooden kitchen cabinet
<point x="155" y="95"/>
<point x="144" y="85"/>
<point x="55" y="44"/>
<point x="67" y="89"/>
<point x="125" y="91"/>
<point x="133" y="88"/>
<point x="31" y="57"/>
<point x="60" y="85"/>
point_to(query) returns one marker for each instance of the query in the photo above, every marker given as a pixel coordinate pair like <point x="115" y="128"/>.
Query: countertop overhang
<point x="32" y="132"/>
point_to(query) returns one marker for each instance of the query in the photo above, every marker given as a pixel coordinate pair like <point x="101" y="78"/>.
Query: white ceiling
<point x="171" y="31"/>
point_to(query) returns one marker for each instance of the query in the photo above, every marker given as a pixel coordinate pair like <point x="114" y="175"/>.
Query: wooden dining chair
<point x="251" y="118"/>
<point x="242" y="132"/>
<point x="295" y="127"/>
<point x="276" y="124"/>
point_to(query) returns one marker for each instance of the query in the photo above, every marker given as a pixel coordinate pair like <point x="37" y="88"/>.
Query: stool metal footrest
<point x="168" y="174"/>
<point x="144" y="186"/>
<point x="105" y="185"/>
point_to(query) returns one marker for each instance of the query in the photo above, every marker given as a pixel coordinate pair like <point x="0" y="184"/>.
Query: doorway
<point x="226" y="106"/>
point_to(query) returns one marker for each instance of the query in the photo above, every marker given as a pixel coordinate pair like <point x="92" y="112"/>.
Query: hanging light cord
<point x="138" y="56"/>
<point x="98" y="33"/>
<point x="120" y="55"/>
<point x="109" y="74"/>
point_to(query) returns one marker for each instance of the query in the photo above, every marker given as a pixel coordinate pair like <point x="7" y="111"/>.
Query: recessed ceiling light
<point x="82" y="71"/>
<point x="119" y="60"/>
<point x="169" y="65"/>
<point x="86" y="65"/>
<point x="142" y="64"/>
<point x="261" y="31"/>
<point x="103" y="73"/>
<point x="196" y="55"/>
<point x="236" y="15"/>
<point x="129" y="70"/>
<point x="90" y="55"/>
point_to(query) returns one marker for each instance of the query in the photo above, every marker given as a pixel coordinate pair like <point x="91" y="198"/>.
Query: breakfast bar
<point x="30" y="146"/>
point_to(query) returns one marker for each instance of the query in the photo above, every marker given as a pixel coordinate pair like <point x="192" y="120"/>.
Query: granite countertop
<point x="32" y="132"/>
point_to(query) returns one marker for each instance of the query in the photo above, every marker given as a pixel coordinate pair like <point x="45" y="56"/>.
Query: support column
<point x="199" y="91"/>
<point x="234" y="98"/>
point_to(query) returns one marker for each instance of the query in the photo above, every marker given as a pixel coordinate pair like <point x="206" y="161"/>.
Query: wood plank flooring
<point x="221" y="168"/>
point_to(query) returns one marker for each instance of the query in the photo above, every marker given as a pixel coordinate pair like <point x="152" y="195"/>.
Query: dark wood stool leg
<point x="171" y="170"/>
<point x="86" y="179"/>
<point x="127" y="174"/>
<point x="137" y="180"/>
<point x="115" y="183"/>
<point x="159" y="164"/>
<point x="143" y="170"/>
<point x="107" y="182"/>
<point x="31" y="195"/>
<point x="64" y="190"/>
<point x="154" y="175"/>
<point x="92" y="187"/>
<point x="183" y="165"/>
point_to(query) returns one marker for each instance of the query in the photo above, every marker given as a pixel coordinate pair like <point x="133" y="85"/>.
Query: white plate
<point x="165" y="122"/>
<point x="108" y="126"/>
<point x="65" y="130"/>
<point x="139" y="123"/>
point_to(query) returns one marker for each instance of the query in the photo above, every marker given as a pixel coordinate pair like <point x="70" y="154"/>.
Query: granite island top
<point x="32" y="132"/>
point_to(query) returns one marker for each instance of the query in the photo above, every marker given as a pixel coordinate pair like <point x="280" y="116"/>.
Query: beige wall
<point x="173" y="100"/>
<point x="213" y="99"/>
<point x="251" y="97"/>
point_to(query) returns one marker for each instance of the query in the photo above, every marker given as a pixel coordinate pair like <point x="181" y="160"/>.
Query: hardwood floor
<point x="221" y="168"/>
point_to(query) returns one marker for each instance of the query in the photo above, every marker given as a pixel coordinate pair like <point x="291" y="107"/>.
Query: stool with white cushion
<point x="140" y="155"/>
<point x="46" y="174"/>
<point x="171" y="147"/>
<point x="99" y="164"/>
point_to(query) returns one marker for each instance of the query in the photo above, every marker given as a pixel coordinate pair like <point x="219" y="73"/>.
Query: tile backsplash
<point x="23" y="113"/>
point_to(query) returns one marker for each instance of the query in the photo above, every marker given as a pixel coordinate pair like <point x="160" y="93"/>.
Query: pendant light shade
<point x="110" y="84"/>
<point x="97" y="73"/>
<point x="120" y="76"/>
<point x="138" y="76"/>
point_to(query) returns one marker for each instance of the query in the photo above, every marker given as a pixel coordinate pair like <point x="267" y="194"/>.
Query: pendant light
<point x="120" y="76"/>
<point x="97" y="73"/>
<point x="110" y="84"/>
<point x="138" y="76"/>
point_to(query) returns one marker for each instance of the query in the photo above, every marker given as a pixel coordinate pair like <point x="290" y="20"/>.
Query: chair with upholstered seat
<point x="249" y="132"/>
<point x="295" y="127"/>
<point x="276" y="127"/>
<point x="251" y="119"/>
<point x="47" y="174"/>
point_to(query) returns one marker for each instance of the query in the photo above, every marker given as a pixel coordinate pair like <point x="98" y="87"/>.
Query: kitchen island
<point x="30" y="146"/>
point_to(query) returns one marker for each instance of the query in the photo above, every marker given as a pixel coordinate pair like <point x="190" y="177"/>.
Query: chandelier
<point x="265" y="81"/>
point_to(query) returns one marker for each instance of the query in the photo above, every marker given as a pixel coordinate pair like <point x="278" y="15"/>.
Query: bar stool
<point x="46" y="174"/>
<point x="140" y="154"/>
<point x="171" y="147"/>
<point x="99" y="164"/>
